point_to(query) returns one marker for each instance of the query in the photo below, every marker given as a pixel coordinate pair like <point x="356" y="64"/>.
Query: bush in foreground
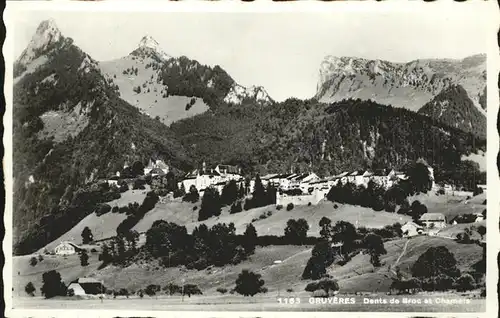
<point x="30" y="289"/>
<point x="249" y="284"/>
<point x="327" y="285"/>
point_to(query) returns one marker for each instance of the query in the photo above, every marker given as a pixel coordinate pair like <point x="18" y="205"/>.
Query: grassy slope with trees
<point x="453" y="107"/>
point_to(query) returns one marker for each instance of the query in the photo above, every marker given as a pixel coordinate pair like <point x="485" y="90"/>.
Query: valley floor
<point x="267" y="302"/>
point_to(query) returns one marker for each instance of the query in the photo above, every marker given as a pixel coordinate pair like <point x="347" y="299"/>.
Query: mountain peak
<point x="46" y="35"/>
<point x="148" y="42"/>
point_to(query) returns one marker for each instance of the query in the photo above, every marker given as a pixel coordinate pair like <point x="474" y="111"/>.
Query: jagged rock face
<point x="46" y="36"/>
<point x="148" y="46"/>
<point x="454" y="108"/>
<point x="238" y="94"/>
<point x="409" y="85"/>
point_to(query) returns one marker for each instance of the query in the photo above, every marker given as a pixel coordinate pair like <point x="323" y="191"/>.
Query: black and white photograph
<point x="250" y="160"/>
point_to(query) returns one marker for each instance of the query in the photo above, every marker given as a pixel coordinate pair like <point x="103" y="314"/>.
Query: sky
<point x="281" y="51"/>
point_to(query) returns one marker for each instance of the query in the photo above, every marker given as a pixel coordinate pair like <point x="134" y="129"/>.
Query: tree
<point x="210" y="204"/>
<point x="191" y="289"/>
<point x="84" y="258"/>
<point x="419" y="176"/>
<point x="105" y="255"/>
<point x="259" y="193"/>
<point x="192" y="196"/>
<point x="250" y="239"/>
<point x="33" y="261"/>
<point x="30" y="289"/>
<point x="345" y="233"/>
<point x="229" y="193"/>
<point x="248" y="283"/>
<point x="321" y="257"/>
<point x="481" y="230"/>
<point x="87" y="236"/>
<point x="296" y="231"/>
<point x="52" y="284"/>
<point x="137" y="169"/>
<point x="417" y="210"/>
<point x="375" y="246"/>
<point x="435" y="261"/>
<point x="326" y="228"/>
<point x="236" y="207"/>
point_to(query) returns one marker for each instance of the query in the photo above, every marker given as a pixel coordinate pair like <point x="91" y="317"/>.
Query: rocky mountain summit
<point x="409" y="85"/>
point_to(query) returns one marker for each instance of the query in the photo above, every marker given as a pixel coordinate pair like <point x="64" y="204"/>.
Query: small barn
<point x="433" y="220"/>
<point x="87" y="286"/>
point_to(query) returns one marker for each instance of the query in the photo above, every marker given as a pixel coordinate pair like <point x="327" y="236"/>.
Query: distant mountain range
<point x="409" y="85"/>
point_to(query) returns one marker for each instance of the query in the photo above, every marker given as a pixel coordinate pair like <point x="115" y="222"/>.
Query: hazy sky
<point x="280" y="51"/>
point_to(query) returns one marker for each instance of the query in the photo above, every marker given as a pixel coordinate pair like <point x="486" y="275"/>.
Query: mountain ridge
<point x="408" y="85"/>
<point x="173" y="88"/>
<point x="453" y="107"/>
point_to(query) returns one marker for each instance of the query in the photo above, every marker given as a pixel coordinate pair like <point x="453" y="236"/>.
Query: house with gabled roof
<point x="356" y="177"/>
<point x="155" y="166"/>
<point x="87" y="286"/>
<point x="205" y="176"/>
<point x="433" y="220"/>
<point x="411" y="229"/>
<point x="67" y="248"/>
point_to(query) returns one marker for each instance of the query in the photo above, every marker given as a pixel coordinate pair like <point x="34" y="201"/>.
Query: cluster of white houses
<point x="219" y="175"/>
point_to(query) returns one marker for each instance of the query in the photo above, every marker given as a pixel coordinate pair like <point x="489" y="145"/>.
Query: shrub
<point x="326" y="285"/>
<point x="102" y="208"/>
<point x="335" y="206"/>
<point x="222" y="290"/>
<point x="33" y="261"/>
<point x="289" y="207"/>
<point x="465" y="282"/>
<point x="483" y="292"/>
<point x="115" y="209"/>
<point x="30" y="289"/>
<point x="40" y="258"/>
<point x="289" y="290"/>
<point x="319" y="293"/>
<point x="71" y="292"/>
<point x="269" y="213"/>
<point x="152" y="289"/>
<point x="279" y="207"/>
<point x="190" y="289"/>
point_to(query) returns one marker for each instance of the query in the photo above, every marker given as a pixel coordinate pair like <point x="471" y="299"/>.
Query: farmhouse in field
<point x="87" y="286"/>
<point x="67" y="248"/>
<point x="433" y="220"/>
<point x="411" y="229"/>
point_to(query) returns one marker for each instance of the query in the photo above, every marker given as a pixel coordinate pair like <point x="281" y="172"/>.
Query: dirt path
<point x="399" y="258"/>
